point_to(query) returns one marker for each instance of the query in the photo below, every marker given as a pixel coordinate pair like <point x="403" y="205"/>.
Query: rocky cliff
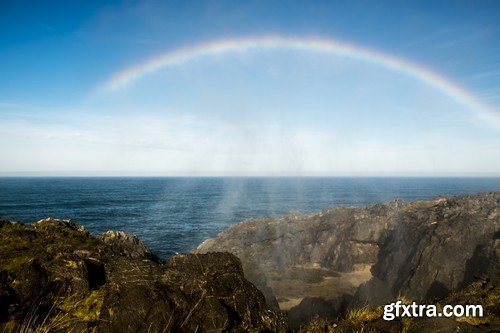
<point x="56" y="277"/>
<point x="423" y="250"/>
<point x="437" y="247"/>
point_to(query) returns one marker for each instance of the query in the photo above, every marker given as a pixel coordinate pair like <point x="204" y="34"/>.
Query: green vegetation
<point x="50" y="246"/>
<point x="19" y="244"/>
<point x="86" y="309"/>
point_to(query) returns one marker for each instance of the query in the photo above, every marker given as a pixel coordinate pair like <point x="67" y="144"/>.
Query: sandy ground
<point x="293" y="285"/>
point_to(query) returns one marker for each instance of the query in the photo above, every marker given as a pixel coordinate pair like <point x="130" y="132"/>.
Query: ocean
<point x="176" y="214"/>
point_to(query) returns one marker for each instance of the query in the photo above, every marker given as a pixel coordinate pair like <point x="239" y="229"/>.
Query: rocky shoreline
<point x="56" y="277"/>
<point x="324" y="272"/>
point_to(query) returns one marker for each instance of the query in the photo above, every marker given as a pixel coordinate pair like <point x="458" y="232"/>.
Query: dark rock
<point x="187" y="293"/>
<point x="371" y="294"/>
<point x="374" y="325"/>
<point x="4" y="221"/>
<point x="96" y="273"/>
<point x="393" y="326"/>
<point x="8" y="297"/>
<point x="55" y="269"/>
<point x="311" y="307"/>
<point x="31" y="282"/>
<point x="441" y="325"/>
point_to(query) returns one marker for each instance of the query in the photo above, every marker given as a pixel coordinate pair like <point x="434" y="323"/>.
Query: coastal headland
<point x="326" y="271"/>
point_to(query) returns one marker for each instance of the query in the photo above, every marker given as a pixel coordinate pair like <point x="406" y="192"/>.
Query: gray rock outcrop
<point x="438" y="247"/>
<point x="423" y="250"/>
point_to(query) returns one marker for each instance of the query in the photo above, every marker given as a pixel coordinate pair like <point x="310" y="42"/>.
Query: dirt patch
<point x="292" y="285"/>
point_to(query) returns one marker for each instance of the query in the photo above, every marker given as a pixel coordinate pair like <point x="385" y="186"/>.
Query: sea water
<point x="176" y="214"/>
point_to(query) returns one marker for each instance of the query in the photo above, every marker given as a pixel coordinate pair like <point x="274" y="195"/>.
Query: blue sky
<point x="258" y="112"/>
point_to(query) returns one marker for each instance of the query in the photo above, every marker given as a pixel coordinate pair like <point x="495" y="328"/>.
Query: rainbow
<point x="321" y="45"/>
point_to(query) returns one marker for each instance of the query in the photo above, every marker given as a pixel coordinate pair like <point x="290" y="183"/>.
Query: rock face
<point x="438" y="247"/>
<point x="299" y="255"/>
<point x="321" y="255"/>
<point x="55" y="276"/>
<point x="336" y="239"/>
<point x="422" y="249"/>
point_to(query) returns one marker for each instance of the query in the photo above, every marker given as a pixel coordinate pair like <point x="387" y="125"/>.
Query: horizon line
<point x="142" y="175"/>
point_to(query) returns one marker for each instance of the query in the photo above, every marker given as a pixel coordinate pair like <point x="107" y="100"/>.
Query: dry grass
<point x="64" y="313"/>
<point x="360" y="319"/>
<point x="482" y="292"/>
<point x="361" y="315"/>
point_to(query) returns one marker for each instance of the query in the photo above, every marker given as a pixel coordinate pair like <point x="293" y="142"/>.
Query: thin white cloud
<point x="198" y="146"/>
